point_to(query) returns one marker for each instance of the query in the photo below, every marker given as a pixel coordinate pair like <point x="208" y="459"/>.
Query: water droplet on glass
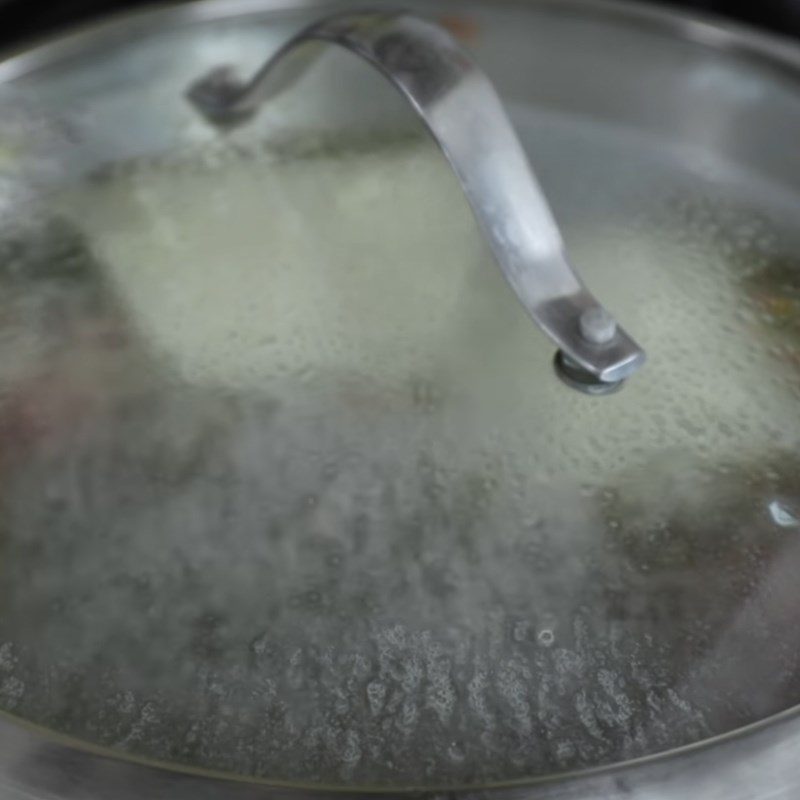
<point x="782" y="515"/>
<point x="546" y="637"/>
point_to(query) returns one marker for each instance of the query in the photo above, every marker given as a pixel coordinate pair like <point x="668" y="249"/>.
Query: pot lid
<point x="289" y="487"/>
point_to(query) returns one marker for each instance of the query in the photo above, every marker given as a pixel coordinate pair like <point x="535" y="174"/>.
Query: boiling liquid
<point x="299" y="495"/>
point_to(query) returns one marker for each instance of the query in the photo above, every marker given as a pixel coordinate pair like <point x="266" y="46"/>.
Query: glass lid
<point x="289" y="487"/>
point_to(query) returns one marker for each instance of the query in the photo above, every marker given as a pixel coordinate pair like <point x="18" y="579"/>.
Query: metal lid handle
<point x="466" y="118"/>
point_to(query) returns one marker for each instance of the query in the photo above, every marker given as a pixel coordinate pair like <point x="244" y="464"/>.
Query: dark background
<point x="22" y="20"/>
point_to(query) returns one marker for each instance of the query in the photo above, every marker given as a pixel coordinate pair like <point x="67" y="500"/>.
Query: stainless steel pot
<point x="363" y="572"/>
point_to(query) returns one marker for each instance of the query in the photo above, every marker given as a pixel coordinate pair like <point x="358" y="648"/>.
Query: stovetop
<point x="22" y="20"/>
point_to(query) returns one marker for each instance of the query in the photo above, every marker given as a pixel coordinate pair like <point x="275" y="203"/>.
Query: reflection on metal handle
<point x="465" y="116"/>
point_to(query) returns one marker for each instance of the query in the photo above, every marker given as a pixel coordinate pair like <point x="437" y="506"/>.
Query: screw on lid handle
<point x="464" y="114"/>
